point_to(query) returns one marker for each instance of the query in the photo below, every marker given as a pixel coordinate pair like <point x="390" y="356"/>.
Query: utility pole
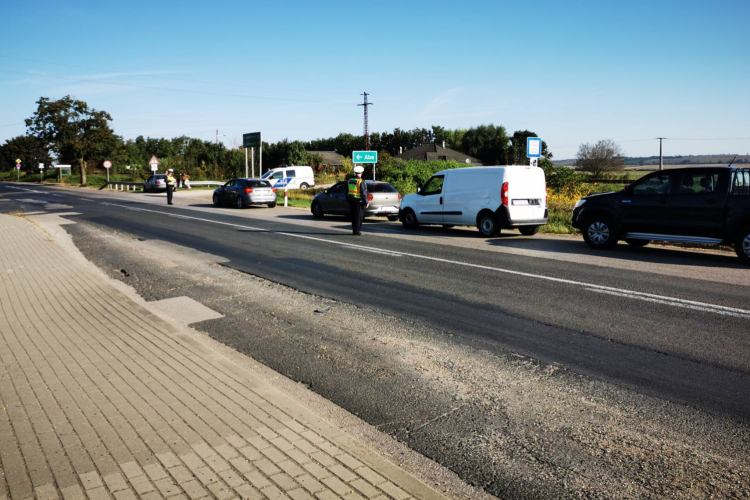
<point x="661" y="158"/>
<point x="367" y="127"/>
<point x="218" y="135"/>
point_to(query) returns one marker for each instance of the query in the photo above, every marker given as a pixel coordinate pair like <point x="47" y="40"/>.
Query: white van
<point x="301" y="176"/>
<point x="492" y="198"/>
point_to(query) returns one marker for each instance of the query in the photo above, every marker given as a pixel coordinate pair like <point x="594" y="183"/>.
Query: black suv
<point x="693" y="205"/>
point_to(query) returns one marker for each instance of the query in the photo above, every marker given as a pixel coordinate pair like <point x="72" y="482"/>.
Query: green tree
<point x="27" y="148"/>
<point x="489" y="143"/>
<point x="600" y="158"/>
<point x="72" y="130"/>
<point x="517" y="154"/>
<point x="297" y="154"/>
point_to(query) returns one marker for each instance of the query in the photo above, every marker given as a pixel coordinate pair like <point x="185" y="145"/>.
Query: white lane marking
<point x="648" y="297"/>
<point x="738" y="313"/>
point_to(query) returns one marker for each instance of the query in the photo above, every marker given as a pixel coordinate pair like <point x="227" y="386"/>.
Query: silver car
<point x="384" y="201"/>
<point x="156" y="182"/>
<point x="243" y="192"/>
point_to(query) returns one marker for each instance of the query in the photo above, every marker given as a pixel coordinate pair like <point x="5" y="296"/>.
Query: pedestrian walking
<point x="171" y="183"/>
<point x="357" y="198"/>
<point x="186" y="180"/>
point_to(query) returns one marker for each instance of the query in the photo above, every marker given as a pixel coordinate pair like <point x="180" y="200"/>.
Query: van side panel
<point x="467" y="193"/>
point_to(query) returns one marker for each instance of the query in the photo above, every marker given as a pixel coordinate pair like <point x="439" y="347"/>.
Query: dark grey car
<point x="243" y="192"/>
<point x="384" y="201"/>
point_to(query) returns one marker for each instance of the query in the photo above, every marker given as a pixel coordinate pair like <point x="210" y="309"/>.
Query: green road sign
<point x="364" y="156"/>
<point x="251" y="140"/>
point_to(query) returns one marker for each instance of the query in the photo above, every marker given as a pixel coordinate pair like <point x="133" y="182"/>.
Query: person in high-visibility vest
<point x="357" y="198"/>
<point x="171" y="183"/>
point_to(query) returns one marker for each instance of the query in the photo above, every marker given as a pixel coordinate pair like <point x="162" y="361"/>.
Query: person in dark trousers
<point x="357" y="198"/>
<point x="171" y="182"/>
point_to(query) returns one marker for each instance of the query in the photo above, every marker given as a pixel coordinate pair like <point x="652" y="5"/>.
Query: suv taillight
<point x="369" y="197"/>
<point x="248" y="190"/>
<point x="504" y="194"/>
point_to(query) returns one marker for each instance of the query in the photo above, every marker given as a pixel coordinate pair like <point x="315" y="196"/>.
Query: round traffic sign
<point x="18" y="161"/>
<point x="107" y="164"/>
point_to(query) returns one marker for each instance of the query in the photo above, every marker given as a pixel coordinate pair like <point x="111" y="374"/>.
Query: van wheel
<point x="317" y="210"/>
<point x="529" y="230"/>
<point x="304" y="185"/>
<point x="410" y="219"/>
<point x="634" y="242"/>
<point x="216" y="200"/>
<point x="487" y="225"/>
<point x="599" y="232"/>
<point x="742" y="245"/>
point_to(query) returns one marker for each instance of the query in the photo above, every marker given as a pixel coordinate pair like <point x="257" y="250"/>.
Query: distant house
<point x="431" y="152"/>
<point x="329" y="157"/>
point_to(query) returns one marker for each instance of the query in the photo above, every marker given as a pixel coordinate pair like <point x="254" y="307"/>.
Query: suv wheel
<point x="487" y="225"/>
<point x="317" y="210"/>
<point x="742" y="245"/>
<point x="410" y="219"/>
<point x="599" y="233"/>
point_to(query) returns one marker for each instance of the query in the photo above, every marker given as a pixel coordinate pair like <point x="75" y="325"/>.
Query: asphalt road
<point x="663" y="322"/>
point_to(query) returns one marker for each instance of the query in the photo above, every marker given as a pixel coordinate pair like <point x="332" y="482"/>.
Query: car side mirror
<point x="419" y="188"/>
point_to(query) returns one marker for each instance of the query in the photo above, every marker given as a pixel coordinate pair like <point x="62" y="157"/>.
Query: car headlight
<point x="579" y="203"/>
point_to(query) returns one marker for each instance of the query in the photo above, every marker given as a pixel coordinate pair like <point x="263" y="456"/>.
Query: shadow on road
<point x="649" y="254"/>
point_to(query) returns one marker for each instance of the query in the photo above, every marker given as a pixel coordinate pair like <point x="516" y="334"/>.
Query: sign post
<point x="18" y="170"/>
<point x="107" y="165"/>
<point x="533" y="150"/>
<point x="365" y="157"/>
<point x="253" y="140"/>
<point x="41" y="172"/>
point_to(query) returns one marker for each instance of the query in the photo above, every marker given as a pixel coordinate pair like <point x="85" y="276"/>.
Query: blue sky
<point x="573" y="72"/>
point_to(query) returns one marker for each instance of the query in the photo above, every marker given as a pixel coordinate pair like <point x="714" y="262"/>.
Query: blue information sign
<point x="533" y="147"/>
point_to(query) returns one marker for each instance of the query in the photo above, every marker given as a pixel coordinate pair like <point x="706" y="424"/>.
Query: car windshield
<point x="380" y="187"/>
<point x="265" y="176"/>
<point x="160" y="176"/>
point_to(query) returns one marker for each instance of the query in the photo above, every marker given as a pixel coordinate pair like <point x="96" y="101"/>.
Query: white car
<point x="492" y="198"/>
<point x="301" y="177"/>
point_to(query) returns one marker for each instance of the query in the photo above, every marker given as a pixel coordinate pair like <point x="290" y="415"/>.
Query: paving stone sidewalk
<point x="99" y="398"/>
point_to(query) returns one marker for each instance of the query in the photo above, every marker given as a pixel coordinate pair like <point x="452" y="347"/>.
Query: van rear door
<point x="527" y="194"/>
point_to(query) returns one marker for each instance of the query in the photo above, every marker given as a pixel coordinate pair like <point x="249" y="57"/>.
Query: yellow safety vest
<point x="170" y="180"/>
<point x="354" y="183"/>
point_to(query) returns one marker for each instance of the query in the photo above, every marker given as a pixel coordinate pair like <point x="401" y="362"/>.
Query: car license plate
<point x="526" y="202"/>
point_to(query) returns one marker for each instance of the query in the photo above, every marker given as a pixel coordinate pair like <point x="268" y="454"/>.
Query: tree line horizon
<point x="68" y="131"/>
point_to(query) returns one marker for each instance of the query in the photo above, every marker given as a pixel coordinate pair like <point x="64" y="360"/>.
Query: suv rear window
<point x="698" y="183"/>
<point x="741" y="183"/>
<point x="380" y="187"/>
